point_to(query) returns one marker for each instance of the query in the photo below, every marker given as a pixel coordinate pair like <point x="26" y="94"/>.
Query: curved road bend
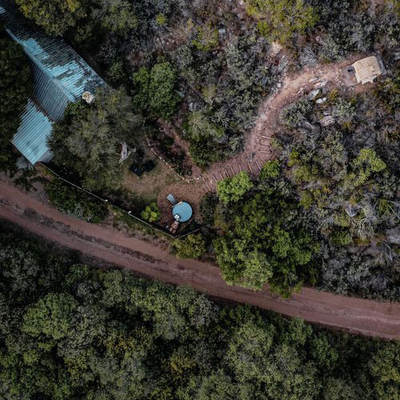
<point x="367" y="317"/>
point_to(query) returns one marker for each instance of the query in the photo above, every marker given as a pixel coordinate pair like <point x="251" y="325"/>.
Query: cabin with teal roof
<point x="60" y="76"/>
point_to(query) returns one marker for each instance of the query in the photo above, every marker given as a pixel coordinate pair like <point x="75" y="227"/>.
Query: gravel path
<point x="367" y="317"/>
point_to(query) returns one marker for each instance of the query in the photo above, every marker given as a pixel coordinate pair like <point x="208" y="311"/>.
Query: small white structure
<point x="368" y="69"/>
<point x="88" y="97"/>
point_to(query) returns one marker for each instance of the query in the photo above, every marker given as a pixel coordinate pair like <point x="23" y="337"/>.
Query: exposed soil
<point x="367" y="317"/>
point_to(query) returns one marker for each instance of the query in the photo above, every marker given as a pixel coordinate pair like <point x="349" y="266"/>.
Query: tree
<point x="54" y="16"/>
<point x="115" y="15"/>
<point x="192" y="246"/>
<point x="151" y="213"/>
<point x="15" y="88"/>
<point x="280" y="19"/>
<point x="265" y="242"/>
<point x="155" y="90"/>
<point x="51" y="316"/>
<point x="200" y="127"/>
<point x="87" y="139"/>
<point x="233" y="189"/>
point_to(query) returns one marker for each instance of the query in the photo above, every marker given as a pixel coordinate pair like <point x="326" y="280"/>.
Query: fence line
<point x="129" y="213"/>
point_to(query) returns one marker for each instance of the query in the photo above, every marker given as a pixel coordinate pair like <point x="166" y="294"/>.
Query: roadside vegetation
<point x="70" y="331"/>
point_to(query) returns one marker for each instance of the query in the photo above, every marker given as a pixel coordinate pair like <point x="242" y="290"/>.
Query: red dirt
<point x="366" y="317"/>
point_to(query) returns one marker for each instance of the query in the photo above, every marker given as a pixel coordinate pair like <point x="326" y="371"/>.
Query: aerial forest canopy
<point x="70" y="331"/>
<point x="15" y="89"/>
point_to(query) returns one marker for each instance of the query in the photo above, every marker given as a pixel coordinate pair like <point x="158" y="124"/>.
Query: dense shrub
<point x="75" y="202"/>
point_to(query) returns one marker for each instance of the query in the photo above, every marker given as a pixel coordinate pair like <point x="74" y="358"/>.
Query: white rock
<point x="328" y="120"/>
<point x="313" y="94"/>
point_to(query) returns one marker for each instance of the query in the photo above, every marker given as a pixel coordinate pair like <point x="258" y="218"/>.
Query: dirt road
<point x="362" y="316"/>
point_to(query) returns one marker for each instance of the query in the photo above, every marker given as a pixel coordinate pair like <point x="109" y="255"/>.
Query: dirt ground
<point x="150" y="184"/>
<point x="112" y="247"/>
<point x="189" y="192"/>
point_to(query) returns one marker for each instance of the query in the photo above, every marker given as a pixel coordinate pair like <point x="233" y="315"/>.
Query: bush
<point x="270" y="170"/>
<point x="151" y="213"/>
<point x="282" y="19"/>
<point x="233" y="189"/>
<point x="155" y="90"/>
<point x="192" y="246"/>
<point x="75" y="202"/>
<point x="207" y="208"/>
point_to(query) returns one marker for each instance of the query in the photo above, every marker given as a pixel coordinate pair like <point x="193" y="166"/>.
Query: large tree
<point x="265" y="240"/>
<point x="88" y="138"/>
<point x="54" y="16"/>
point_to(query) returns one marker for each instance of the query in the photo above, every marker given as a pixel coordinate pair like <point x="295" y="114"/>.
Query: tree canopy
<point x="88" y="138"/>
<point x="54" y="16"/>
<point x="70" y="331"/>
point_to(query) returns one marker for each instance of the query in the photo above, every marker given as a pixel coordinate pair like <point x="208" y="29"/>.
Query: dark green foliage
<point x="88" y="138"/>
<point x="192" y="246"/>
<point x="15" y="89"/>
<point x="155" y="90"/>
<point x="68" y="331"/>
<point x="266" y="242"/>
<point x="75" y="202"/>
<point x="280" y="20"/>
<point x="54" y="16"/>
<point x="207" y="208"/>
<point x="345" y="175"/>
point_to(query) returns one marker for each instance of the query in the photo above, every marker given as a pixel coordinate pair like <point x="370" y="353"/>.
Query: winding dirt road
<point x="367" y="317"/>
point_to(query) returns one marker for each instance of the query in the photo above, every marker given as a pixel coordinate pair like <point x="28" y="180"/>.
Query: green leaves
<point x="155" y="90"/>
<point x="280" y="20"/>
<point x="265" y="243"/>
<point x="74" y="202"/>
<point x="151" y="213"/>
<point x="51" y="316"/>
<point x="192" y="246"/>
<point x="54" y="16"/>
<point x="88" y="138"/>
<point x="233" y="189"/>
<point x="15" y="88"/>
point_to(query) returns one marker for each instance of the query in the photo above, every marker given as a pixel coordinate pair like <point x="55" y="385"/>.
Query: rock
<point x="393" y="235"/>
<point x="312" y="80"/>
<point x="321" y="100"/>
<point x="313" y="94"/>
<point x="320" y="84"/>
<point x="328" y="120"/>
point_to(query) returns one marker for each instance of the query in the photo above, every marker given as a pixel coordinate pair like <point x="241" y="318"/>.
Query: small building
<point x="368" y="69"/>
<point x="60" y="76"/>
